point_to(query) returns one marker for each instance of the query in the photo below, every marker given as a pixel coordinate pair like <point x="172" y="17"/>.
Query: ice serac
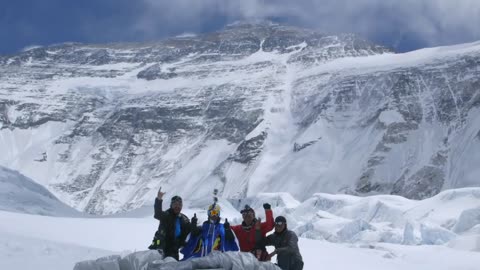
<point x="249" y="109"/>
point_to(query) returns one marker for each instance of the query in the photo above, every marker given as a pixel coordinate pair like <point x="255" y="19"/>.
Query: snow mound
<point x="409" y="237"/>
<point x="276" y="200"/>
<point x="467" y="220"/>
<point x="324" y="202"/>
<point x="467" y="242"/>
<point x="104" y="263"/>
<point x="153" y="260"/>
<point x="134" y="261"/>
<point x="351" y="230"/>
<point x="341" y="218"/>
<point x="376" y="209"/>
<point x="455" y="194"/>
<point x="435" y="235"/>
<point x="21" y="194"/>
<point x="217" y="260"/>
<point x="385" y="218"/>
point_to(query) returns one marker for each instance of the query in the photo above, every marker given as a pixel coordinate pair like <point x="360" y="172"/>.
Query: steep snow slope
<point x="20" y="194"/>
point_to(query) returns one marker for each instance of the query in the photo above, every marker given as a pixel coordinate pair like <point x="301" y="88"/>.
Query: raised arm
<point x="269" y="222"/>
<point x="159" y="213"/>
<point x="194" y="229"/>
<point x="229" y="234"/>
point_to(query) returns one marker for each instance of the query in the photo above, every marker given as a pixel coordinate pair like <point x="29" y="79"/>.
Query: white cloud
<point x="431" y="21"/>
<point x="31" y="47"/>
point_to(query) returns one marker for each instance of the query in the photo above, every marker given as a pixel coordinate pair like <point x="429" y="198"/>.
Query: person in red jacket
<point x="246" y="231"/>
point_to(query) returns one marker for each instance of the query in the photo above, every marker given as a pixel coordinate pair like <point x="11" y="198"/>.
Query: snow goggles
<point x="213" y="212"/>
<point x="280" y="223"/>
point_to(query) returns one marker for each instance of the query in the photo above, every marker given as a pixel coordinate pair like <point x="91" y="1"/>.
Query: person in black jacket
<point x="173" y="228"/>
<point x="285" y="243"/>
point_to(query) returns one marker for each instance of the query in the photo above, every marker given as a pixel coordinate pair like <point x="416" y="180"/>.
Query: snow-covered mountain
<point x="20" y="194"/>
<point x="253" y="108"/>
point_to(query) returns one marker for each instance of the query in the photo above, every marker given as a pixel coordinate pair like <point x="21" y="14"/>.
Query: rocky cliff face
<point x="253" y="108"/>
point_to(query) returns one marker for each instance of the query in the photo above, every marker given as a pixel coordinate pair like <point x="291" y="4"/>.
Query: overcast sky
<point x="401" y="24"/>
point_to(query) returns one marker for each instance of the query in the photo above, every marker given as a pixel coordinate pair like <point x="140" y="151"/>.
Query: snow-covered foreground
<point x="26" y="252"/>
<point x="330" y="256"/>
<point x="82" y="239"/>
<point x="378" y="232"/>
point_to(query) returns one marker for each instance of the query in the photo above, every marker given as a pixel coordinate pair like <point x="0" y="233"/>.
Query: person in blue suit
<point x="211" y="236"/>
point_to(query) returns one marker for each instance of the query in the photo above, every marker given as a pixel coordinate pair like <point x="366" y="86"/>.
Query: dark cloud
<point x="402" y="24"/>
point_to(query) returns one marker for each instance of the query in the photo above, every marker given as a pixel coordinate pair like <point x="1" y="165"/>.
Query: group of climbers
<point x="177" y="233"/>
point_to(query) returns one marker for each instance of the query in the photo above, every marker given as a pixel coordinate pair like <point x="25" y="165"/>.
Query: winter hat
<point x="281" y="219"/>
<point x="247" y="208"/>
<point x="176" y="199"/>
